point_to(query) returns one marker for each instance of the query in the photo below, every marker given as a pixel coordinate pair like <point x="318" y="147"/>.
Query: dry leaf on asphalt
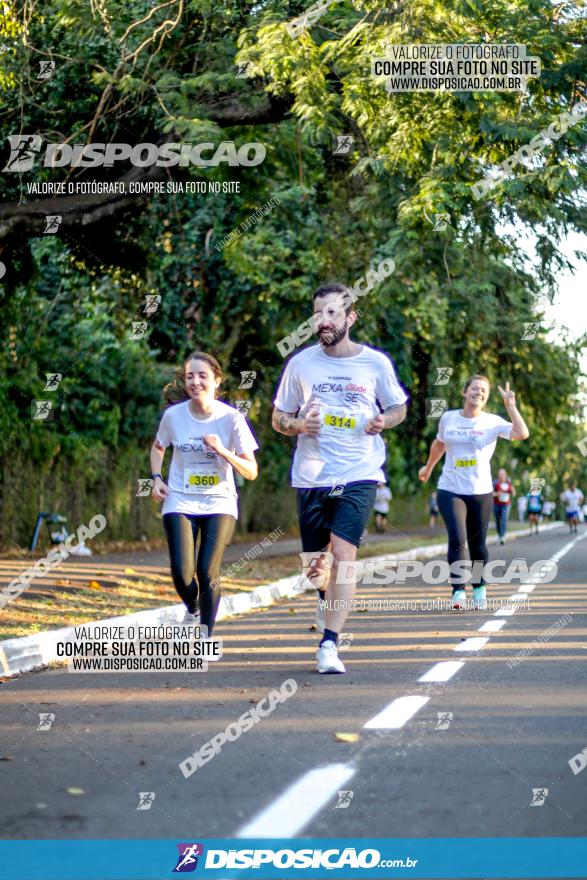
<point x="347" y="737"/>
<point x="94" y="585"/>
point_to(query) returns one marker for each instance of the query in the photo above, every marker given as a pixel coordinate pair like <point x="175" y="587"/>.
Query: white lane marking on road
<point x="442" y="671"/>
<point x="491" y="626"/>
<point x="527" y="588"/>
<point x="299" y="803"/>
<point x="564" y="550"/>
<point x="473" y="644"/>
<point x="396" y="714"/>
<point x="504" y="612"/>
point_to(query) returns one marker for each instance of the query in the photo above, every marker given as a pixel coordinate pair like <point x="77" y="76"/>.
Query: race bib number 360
<point x="195" y="481"/>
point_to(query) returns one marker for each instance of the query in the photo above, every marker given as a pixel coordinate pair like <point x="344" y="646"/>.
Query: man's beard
<point x="331" y="338"/>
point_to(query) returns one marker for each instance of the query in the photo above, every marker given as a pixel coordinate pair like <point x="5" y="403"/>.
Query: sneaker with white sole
<point x="191" y="619"/>
<point x="328" y="660"/>
<point x="320" y="619"/>
<point x="459" y="600"/>
<point x="479" y="598"/>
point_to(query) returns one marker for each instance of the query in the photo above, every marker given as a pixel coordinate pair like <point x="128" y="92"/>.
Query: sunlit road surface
<point x="457" y="736"/>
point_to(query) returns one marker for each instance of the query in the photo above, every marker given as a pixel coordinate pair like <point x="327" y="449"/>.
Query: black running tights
<point x="467" y="519"/>
<point x="194" y="578"/>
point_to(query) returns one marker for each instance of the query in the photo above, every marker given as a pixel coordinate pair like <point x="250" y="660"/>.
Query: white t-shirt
<point x="347" y="390"/>
<point x="201" y="481"/>
<point x="547" y="508"/>
<point x="382" y="499"/>
<point x="470" y="443"/>
<point x="573" y="499"/>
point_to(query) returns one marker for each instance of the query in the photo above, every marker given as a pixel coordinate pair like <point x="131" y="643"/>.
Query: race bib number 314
<point x="340" y="423"/>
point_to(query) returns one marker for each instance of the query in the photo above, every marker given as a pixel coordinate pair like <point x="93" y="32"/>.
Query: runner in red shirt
<point x="503" y="492"/>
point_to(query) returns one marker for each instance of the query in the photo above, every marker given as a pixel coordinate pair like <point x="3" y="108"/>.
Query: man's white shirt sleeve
<point x="289" y="396"/>
<point x="388" y="390"/>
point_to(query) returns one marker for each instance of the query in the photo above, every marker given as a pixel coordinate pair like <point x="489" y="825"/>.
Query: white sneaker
<point x="328" y="660"/>
<point x="320" y="619"/>
<point x="190" y="619"/>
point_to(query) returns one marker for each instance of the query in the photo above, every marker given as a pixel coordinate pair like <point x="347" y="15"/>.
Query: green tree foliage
<point x="463" y="289"/>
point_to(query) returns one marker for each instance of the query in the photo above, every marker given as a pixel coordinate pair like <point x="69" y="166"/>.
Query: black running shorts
<point x="344" y="513"/>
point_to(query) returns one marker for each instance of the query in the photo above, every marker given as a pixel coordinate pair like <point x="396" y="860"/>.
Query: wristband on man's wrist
<point x="153" y="476"/>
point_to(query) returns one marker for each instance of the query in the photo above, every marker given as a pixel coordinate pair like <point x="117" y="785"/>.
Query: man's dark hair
<point x="332" y="287"/>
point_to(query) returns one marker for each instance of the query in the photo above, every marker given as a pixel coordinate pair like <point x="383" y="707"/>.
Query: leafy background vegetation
<point x="139" y="72"/>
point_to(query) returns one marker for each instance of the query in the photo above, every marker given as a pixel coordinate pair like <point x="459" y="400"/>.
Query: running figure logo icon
<point x="242" y="405"/>
<point x="440" y="222"/>
<point x="539" y="795"/>
<point x="46" y="719"/>
<point x="444" y="719"/>
<point x="247" y="379"/>
<point x="42" y="410"/>
<point x="46" y="69"/>
<point x="139" y="328"/>
<point x="145" y="487"/>
<point x="187" y="860"/>
<point x="23" y="151"/>
<point x="52" y="224"/>
<point x="53" y="380"/>
<point x="437" y="407"/>
<point x="344" y="800"/>
<point x="152" y="303"/>
<point x="530" y="331"/>
<point x="443" y="374"/>
<point x="146" y="799"/>
<point x="536" y="485"/>
<point x="343" y="144"/>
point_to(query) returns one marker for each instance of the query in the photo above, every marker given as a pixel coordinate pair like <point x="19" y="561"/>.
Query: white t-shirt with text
<point x="469" y="443"/>
<point x="573" y="499"/>
<point x="382" y="498"/>
<point x="201" y="481"/>
<point x="347" y="390"/>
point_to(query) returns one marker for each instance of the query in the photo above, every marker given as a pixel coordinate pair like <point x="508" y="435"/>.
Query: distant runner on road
<point x="336" y="397"/>
<point x="503" y="492"/>
<point x="573" y="499"/>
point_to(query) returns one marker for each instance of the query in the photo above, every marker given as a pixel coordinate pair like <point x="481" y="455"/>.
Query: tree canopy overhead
<point x="194" y="71"/>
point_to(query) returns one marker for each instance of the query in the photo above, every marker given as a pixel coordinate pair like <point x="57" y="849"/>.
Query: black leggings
<point x="467" y="519"/>
<point x="215" y="535"/>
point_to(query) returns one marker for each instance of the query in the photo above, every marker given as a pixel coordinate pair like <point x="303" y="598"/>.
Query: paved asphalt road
<point x="514" y="728"/>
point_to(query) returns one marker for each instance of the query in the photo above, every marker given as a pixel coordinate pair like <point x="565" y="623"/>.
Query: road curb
<point x="27" y="653"/>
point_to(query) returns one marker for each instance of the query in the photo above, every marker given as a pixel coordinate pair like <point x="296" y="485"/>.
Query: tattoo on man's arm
<point x="287" y="424"/>
<point x="394" y="415"/>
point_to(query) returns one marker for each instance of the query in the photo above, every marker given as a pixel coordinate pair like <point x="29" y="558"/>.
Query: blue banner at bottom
<point x="268" y="859"/>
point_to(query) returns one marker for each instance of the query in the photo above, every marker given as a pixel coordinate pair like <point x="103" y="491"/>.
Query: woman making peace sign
<point x="465" y="489"/>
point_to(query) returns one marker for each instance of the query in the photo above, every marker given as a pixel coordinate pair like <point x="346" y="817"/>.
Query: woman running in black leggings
<point x="210" y="440"/>
<point x="465" y="487"/>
